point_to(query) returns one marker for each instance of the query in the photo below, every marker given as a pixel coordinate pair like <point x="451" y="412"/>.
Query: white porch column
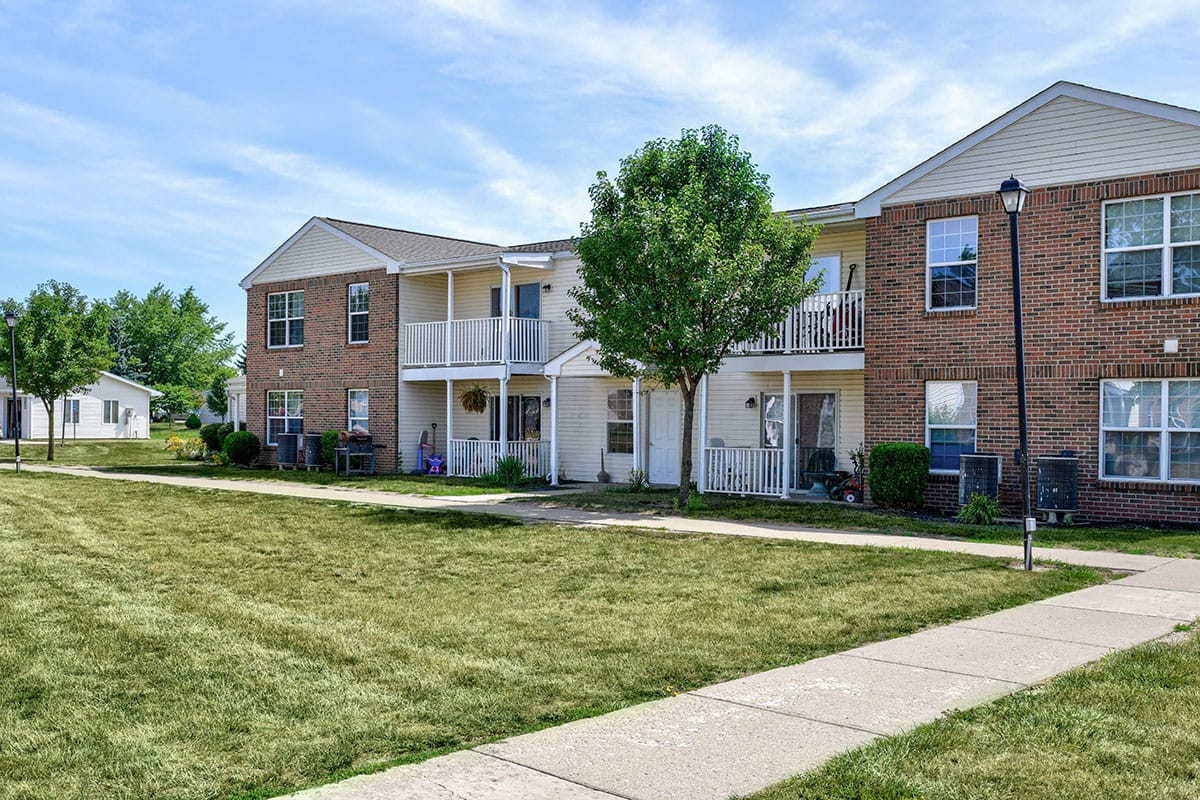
<point x="638" y="461"/>
<point x="449" y="318"/>
<point x="554" y="430"/>
<point x="702" y="472"/>
<point x="788" y="444"/>
<point x="449" y="424"/>
<point x="506" y="312"/>
<point x="502" y="401"/>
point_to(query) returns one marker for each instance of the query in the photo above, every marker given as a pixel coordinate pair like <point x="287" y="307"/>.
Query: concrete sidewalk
<point x="531" y="512"/>
<point x="741" y="736"/>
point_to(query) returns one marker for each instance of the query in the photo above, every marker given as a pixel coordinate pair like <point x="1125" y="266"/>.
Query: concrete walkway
<point x="530" y="511"/>
<point x="740" y="736"/>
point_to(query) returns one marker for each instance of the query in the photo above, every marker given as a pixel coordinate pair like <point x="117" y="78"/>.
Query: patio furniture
<point x="820" y="468"/>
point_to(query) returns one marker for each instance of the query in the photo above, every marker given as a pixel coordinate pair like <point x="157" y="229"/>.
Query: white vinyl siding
<point x="1151" y="247"/>
<point x="285" y="319"/>
<point x="1068" y="140"/>
<point x="1138" y="441"/>
<point x="950" y="420"/>
<point x="951" y="249"/>
<point x="285" y="413"/>
<point x="318" y="252"/>
<point x="358" y="312"/>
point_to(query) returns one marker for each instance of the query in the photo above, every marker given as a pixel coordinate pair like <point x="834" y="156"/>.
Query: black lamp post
<point x="1012" y="194"/>
<point x="10" y="318"/>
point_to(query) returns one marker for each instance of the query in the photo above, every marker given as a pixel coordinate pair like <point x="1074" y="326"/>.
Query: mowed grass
<point x="100" y="452"/>
<point x="1127" y="727"/>
<point x="1181" y="542"/>
<point x="398" y="484"/>
<point x="161" y="642"/>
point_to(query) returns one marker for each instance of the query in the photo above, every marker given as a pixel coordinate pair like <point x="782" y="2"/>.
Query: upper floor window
<point x="359" y="311"/>
<point x="951" y="247"/>
<point x="1150" y="430"/>
<point x="526" y="301"/>
<point x="1152" y="247"/>
<point x="285" y="319"/>
<point x="949" y="422"/>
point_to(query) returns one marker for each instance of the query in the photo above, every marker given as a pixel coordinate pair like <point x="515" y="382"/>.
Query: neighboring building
<point x="235" y="391"/>
<point x="111" y="408"/>
<point x="354" y="325"/>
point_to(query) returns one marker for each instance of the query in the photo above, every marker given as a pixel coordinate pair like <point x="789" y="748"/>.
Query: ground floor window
<point x="620" y="421"/>
<point x="111" y="412"/>
<point x="285" y="413"/>
<point x="1150" y="430"/>
<point x="524" y="420"/>
<point x="70" y="412"/>
<point x="357" y="404"/>
<point x="950" y="408"/>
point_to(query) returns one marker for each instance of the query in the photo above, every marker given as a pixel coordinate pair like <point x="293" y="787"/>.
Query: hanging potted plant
<point x="475" y="400"/>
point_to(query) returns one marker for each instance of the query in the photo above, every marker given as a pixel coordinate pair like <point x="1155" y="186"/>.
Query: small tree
<point x="218" y="400"/>
<point x="62" y="345"/>
<point x="175" y="401"/>
<point x="683" y="258"/>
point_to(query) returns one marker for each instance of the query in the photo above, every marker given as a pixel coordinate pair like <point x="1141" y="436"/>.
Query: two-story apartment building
<point x="357" y="326"/>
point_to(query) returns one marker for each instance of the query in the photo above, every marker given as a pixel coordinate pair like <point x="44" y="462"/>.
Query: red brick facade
<point x="1072" y="338"/>
<point x="327" y="366"/>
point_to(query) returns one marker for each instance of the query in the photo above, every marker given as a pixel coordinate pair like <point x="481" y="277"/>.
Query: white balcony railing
<point x="475" y="341"/>
<point x="473" y="458"/>
<point x="744" y="470"/>
<point x="822" y="323"/>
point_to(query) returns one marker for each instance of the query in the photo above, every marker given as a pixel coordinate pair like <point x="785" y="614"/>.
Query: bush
<point x="899" y="474"/>
<point x="639" y="481"/>
<point x="981" y="509"/>
<point x="242" y="447"/>
<point x="211" y="436"/>
<point x="223" y="433"/>
<point x="190" y="449"/>
<point x="510" y="470"/>
<point x="329" y="443"/>
<point x="192" y="422"/>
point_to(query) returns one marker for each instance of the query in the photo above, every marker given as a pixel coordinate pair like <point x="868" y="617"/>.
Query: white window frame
<point x="286" y="416"/>
<point x="930" y="265"/>
<point x="351" y="313"/>
<point x="1163" y="429"/>
<point x="115" y="405"/>
<point x="69" y="417"/>
<point x="350" y="418"/>
<point x="929" y="428"/>
<point x="610" y="420"/>
<point x="287" y="320"/>
<point x="1166" y="273"/>
<point x="512" y="299"/>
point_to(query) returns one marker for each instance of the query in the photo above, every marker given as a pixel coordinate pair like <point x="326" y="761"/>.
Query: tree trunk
<point x="50" y="430"/>
<point x="685" y="446"/>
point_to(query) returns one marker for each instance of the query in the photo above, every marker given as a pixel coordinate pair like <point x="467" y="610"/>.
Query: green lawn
<point x="161" y="642"/>
<point x="843" y="516"/>
<point x="1127" y="727"/>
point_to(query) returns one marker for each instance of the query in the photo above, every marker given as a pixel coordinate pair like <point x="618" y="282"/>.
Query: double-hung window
<point x="70" y="413"/>
<point x="285" y="319"/>
<point x="1150" y="430"/>
<point x="359" y="312"/>
<point x="949" y="422"/>
<point x="620" y="421"/>
<point x="951" y="247"/>
<point x="285" y="413"/>
<point x="357" y="405"/>
<point x="111" y="412"/>
<point x="1152" y="247"/>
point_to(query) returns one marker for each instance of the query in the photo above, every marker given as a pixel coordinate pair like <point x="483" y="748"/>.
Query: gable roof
<point x="870" y="205"/>
<point x="410" y="246"/>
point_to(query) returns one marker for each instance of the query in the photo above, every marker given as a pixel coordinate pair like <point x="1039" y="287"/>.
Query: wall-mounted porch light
<point x="545" y="288"/>
<point x="546" y="402"/>
<point x="751" y="402"/>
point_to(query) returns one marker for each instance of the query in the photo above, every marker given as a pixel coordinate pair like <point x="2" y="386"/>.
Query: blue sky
<point x="182" y="142"/>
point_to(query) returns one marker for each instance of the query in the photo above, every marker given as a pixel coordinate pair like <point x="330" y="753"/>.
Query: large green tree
<point x="62" y="344"/>
<point x="165" y="339"/>
<point x="683" y="258"/>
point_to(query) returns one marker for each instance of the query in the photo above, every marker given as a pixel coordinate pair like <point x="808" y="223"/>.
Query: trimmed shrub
<point x="223" y="433"/>
<point x="510" y="470"/>
<point x="192" y="422"/>
<point x="211" y="436"/>
<point x="899" y="474"/>
<point x="329" y="443"/>
<point x="242" y="447"/>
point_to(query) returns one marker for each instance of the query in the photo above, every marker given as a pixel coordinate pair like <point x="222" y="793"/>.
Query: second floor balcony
<point x="823" y="323"/>
<point x="471" y="342"/>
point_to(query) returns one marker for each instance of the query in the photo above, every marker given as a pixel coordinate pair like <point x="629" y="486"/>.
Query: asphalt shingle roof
<point x="553" y="246"/>
<point x="410" y="246"/>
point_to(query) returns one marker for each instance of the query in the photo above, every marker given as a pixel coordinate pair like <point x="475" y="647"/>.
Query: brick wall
<point x="326" y="366"/>
<point x="1072" y="339"/>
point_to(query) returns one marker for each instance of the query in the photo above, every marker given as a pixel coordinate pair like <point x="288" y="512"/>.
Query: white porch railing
<point x="822" y="323"/>
<point x="744" y="470"/>
<point x="473" y="458"/>
<point x="475" y="341"/>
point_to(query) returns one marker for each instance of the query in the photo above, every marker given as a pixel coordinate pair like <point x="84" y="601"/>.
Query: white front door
<point x="663" y="461"/>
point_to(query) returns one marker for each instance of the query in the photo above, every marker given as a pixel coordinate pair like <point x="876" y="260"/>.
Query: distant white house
<point x="111" y="408"/>
<point x="235" y="391"/>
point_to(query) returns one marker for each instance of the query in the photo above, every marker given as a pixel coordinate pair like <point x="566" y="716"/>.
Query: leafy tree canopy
<point x="175" y="401"/>
<point x="165" y="339"/>
<point x="683" y="258"/>
<point x="62" y="344"/>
